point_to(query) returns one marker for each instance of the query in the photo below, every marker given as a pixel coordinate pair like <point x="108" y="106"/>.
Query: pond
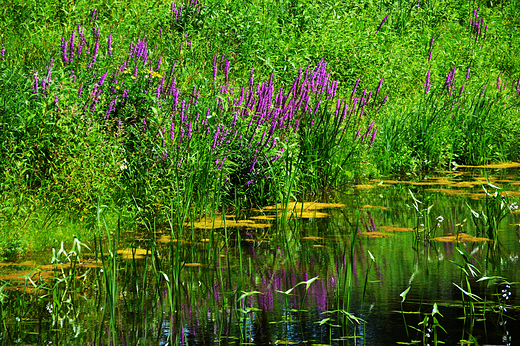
<point x="433" y="260"/>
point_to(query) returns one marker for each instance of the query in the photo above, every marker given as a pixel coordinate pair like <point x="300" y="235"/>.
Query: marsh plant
<point x="496" y="206"/>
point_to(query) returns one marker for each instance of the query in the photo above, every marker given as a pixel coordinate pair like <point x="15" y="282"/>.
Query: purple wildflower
<point x="94" y="16"/>
<point x="382" y="22"/>
<point x="2" y="53"/>
<point x="109" y="44"/>
<point x="102" y="80"/>
<point x="226" y="69"/>
<point x="373" y="136"/>
<point x="64" y="56"/>
<point x="80" y="90"/>
<point x="35" y="84"/>
<point x="354" y="89"/>
<point x="71" y="45"/>
<point x="379" y="87"/>
<point x="172" y="131"/>
<point x="215" y="67"/>
<point x="427" y="84"/>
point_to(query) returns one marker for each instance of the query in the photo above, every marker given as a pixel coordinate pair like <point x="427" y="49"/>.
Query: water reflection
<point x="335" y="274"/>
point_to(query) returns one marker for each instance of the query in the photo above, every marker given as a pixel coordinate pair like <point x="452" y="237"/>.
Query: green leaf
<point x="247" y="294"/>
<point x="471" y="295"/>
<point x="435" y="310"/>
<point x="404" y="293"/>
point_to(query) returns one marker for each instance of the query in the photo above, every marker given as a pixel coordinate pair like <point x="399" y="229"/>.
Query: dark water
<point x="347" y="270"/>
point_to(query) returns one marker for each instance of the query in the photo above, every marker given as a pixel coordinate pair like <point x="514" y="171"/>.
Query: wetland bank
<point x="282" y="172"/>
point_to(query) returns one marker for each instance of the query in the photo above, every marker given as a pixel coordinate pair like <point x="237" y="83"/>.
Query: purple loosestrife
<point x="215" y="68"/>
<point x="427" y="84"/>
<point x="49" y="74"/>
<point x="64" y="56"/>
<point x="80" y="90"/>
<point x="94" y="54"/>
<point x="373" y="136"/>
<point x="378" y="88"/>
<point x="71" y="46"/>
<point x="357" y="134"/>
<point x="381" y="25"/>
<point x="110" y="108"/>
<point x="94" y="16"/>
<point x="2" y="53"/>
<point x="172" y="131"/>
<point x="102" y="80"/>
<point x="109" y="45"/>
<point x="226" y="69"/>
<point x="35" y="83"/>
<point x="354" y="89"/>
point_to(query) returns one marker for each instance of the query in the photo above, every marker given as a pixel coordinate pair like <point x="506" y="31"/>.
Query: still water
<point x="364" y="266"/>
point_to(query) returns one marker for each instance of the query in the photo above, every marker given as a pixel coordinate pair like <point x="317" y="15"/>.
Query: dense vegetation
<point x="160" y="109"/>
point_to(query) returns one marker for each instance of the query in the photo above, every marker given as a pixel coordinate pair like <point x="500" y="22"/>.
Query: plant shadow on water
<point x="400" y="262"/>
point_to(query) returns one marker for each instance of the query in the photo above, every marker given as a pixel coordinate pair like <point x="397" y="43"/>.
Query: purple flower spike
<point x="354" y="90"/>
<point x="71" y="45"/>
<point x="64" y="56"/>
<point x="172" y="131"/>
<point x="379" y="87"/>
<point x="109" y="44"/>
<point x="35" y="84"/>
<point x="102" y="80"/>
<point x="382" y="22"/>
<point x="226" y="69"/>
<point x="215" y="67"/>
<point x="373" y="136"/>
<point x="2" y="53"/>
<point x="427" y="84"/>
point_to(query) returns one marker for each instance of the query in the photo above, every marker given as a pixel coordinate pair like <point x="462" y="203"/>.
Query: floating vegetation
<point x="375" y="234"/>
<point x="460" y="237"/>
<point x="367" y="207"/>
<point x="394" y="228"/>
<point x="306" y="206"/>
<point x="503" y="165"/>
<point x="133" y="253"/>
<point x="364" y="186"/>
<point x="219" y="222"/>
